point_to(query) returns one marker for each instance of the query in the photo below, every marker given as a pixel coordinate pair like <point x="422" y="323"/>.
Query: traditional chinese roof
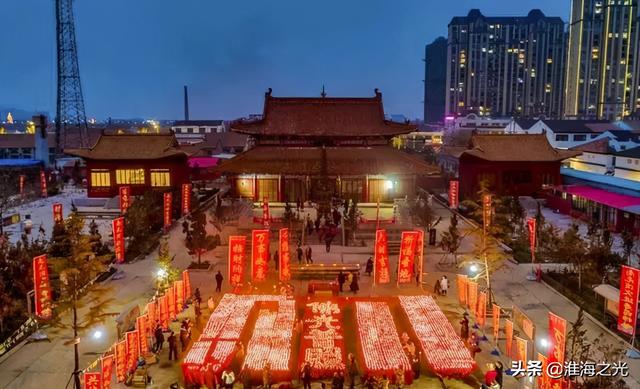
<point x="322" y="116"/>
<point x="339" y="161"/>
<point x="600" y="146"/>
<point x="515" y="148"/>
<point x="131" y="146"/>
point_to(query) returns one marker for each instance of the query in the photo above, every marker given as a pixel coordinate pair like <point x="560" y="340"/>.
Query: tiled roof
<point x="216" y="143"/>
<point x="526" y="124"/>
<point x="631" y="153"/>
<point x="625" y="136"/>
<point x="131" y="146"/>
<point x="600" y="146"/>
<point x="573" y="126"/>
<point x="515" y="148"/>
<point x="196" y="123"/>
<point x="322" y="116"/>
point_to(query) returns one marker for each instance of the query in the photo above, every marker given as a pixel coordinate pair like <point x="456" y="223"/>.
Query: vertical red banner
<point x="557" y="338"/>
<point x="118" y="238"/>
<point x="106" y="369"/>
<point x="42" y="288"/>
<point x="178" y="286"/>
<point x="167" y="208"/>
<point x="236" y="259"/>
<point x="125" y="198"/>
<point x="92" y="381"/>
<point x="285" y="255"/>
<point x="259" y="255"/>
<point x="171" y="302"/>
<point x="508" y="331"/>
<point x="454" y="185"/>
<point x="420" y="255"/>
<point x="266" y="219"/>
<point x="481" y="315"/>
<point x="486" y="211"/>
<point x="163" y="308"/>
<point x="186" y="280"/>
<point x="21" y="184"/>
<point x="381" y="259"/>
<point x="462" y="288"/>
<point x="628" y="303"/>
<point x="121" y="361"/>
<point x="495" y="315"/>
<point x="57" y="213"/>
<point x="133" y="349"/>
<point x="543" y="379"/>
<point x="407" y="256"/>
<point x="521" y="350"/>
<point x="43" y="184"/>
<point x="152" y="314"/>
<point x="143" y="333"/>
<point x="472" y="296"/>
<point x="531" y="226"/>
<point x="186" y="199"/>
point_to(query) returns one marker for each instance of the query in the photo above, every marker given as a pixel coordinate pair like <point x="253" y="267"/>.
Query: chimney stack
<point x="186" y="103"/>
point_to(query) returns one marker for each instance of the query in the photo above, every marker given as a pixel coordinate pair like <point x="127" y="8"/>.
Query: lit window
<point x="160" y="177"/>
<point x="129" y="176"/>
<point x="100" y="178"/>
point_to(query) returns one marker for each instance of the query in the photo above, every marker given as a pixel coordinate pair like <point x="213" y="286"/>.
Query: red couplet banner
<point x="236" y="259"/>
<point x="43" y="184"/>
<point x="133" y="349"/>
<point x="407" y="254"/>
<point x="463" y="281"/>
<point x="285" y="255"/>
<point x="481" y="311"/>
<point x="152" y="314"/>
<point x="543" y="379"/>
<point x="628" y="306"/>
<point x="21" y="184"/>
<point x="178" y="287"/>
<point x="186" y="199"/>
<point x="118" y="238"/>
<point x="495" y="315"/>
<point x="106" y="368"/>
<point x="121" y="361"/>
<point x="92" y="381"/>
<point x="486" y="210"/>
<point x="382" y="275"/>
<point x="521" y="350"/>
<point x="163" y="303"/>
<point x="142" y="327"/>
<point x="472" y="296"/>
<point x="57" y="213"/>
<point x="171" y="301"/>
<point x="42" y="287"/>
<point x="186" y="280"/>
<point x="167" y="208"/>
<point x="508" y="330"/>
<point x="259" y="254"/>
<point x="557" y="338"/>
<point x="265" y="213"/>
<point x="125" y="198"/>
<point x="531" y="226"/>
<point x="454" y="186"/>
<point x="420" y="254"/>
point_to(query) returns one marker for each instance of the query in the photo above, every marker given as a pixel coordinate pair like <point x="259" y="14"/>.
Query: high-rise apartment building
<point x="505" y="66"/>
<point x="602" y="60"/>
<point x="435" y="80"/>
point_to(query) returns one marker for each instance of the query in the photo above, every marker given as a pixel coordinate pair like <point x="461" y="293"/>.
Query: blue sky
<point x="135" y="55"/>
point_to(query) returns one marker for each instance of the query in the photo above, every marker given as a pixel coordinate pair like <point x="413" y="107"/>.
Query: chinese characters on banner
<point x="265" y="213"/>
<point x="407" y="255"/>
<point x="557" y="338"/>
<point x="481" y="311"/>
<point x="628" y="306"/>
<point x="419" y="255"/>
<point x="106" y="368"/>
<point x="167" y="208"/>
<point x="142" y="328"/>
<point x="118" y="238"/>
<point x="92" y="381"/>
<point x="121" y="361"/>
<point x="125" y="198"/>
<point x="57" y="213"/>
<point x="486" y="211"/>
<point x="472" y="295"/>
<point x="462" y="289"/>
<point x="163" y="303"/>
<point x="171" y="302"/>
<point x="152" y="314"/>
<point x="178" y="286"/>
<point x="42" y="287"/>
<point x="132" y="348"/>
<point x="43" y="184"/>
<point x="453" y="194"/>
<point x="521" y="350"/>
<point x="508" y="330"/>
<point x="187" y="284"/>
<point x="259" y="254"/>
<point x="236" y="259"/>
<point x="495" y="315"/>
<point x="186" y="199"/>
<point x="21" y="184"/>
<point x="531" y="226"/>
<point x="543" y="380"/>
<point x="527" y="327"/>
<point x="285" y="255"/>
<point x="382" y="275"/>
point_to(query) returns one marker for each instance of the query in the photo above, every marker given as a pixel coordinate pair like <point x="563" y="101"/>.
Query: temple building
<point x="308" y="148"/>
<point x="142" y="161"/>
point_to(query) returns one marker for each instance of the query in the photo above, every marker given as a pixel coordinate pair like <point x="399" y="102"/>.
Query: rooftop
<point x="515" y="148"/>
<point x="533" y="16"/>
<point x="599" y="146"/>
<point x="630" y="153"/>
<point x="131" y="146"/>
<point x="196" y="123"/>
<point x="578" y="126"/>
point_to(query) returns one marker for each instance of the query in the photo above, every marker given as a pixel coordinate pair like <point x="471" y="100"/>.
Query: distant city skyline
<point x="136" y="56"/>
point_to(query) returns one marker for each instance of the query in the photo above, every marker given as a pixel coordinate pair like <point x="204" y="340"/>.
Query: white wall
<point x="628" y="168"/>
<point x="592" y="163"/>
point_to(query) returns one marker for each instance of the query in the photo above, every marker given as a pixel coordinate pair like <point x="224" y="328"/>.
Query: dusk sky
<point x="135" y="55"/>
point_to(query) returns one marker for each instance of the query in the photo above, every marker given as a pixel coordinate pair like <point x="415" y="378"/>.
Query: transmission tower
<point x="71" y="122"/>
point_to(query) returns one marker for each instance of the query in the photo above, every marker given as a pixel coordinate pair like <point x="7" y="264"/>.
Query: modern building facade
<point x="505" y="66"/>
<point x="602" y="60"/>
<point x="435" y="80"/>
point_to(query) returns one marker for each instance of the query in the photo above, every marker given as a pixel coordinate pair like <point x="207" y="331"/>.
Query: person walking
<point x="309" y="254"/>
<point x="352" y="370"/>
<point x="305" y="375"/>
<point x="299" y="252"/>
<point x="159" y="337"/>
<point x="197" y="298"/>
<point x="490" y="377"/>
<point x="184" y="335"/>
<point x="369" y="267"/>
<point x="173" y="347"/>
<point x="464" y="327"/>
<point x="415" y="366"/>
<point x="228" y="378"/>
<point x="341" y="280"/>
<point x="444" y="285"/>
<point x="354" y="284"/>
<point x="499" y="368"/>
<point x="437" y="288"/>
<point x="327" y="241"/>
<point x="399" y="373"/>
<point x="219" y="279"/>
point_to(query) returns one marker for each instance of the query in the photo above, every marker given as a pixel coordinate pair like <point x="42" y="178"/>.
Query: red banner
<point x="43" y="184"/>
<point x="382" y="275"/>
<point x="508" y="331"/>
<point x="420" y="254"/>
<point x="486" y="211"/>
<point x="57" y="213"/>
<point x="92" y="381"/>
<point x="42" y="287"/>
<point x="543" y="379"/>
<point x="21" y="184"/>
<point x="186" y="199"/>
<point x="152" y="315"/>
<point x="528" y="327"/>
<point x="453" y="194"/>
<point x="186" y="280"/>
<point x="628" y="303"/>
<point x="557" y="340"/>
<point x="265" y="213"/>
<point x="167" y="209"/>
<point x="106" y="368"/>
<point x="472" y="296"/>
<point x="285" y="255"/>
<point x="121" y="361"/>
<point x="521" y="350"/>
<point x="407" y="256"/>
<point x="481" y="315"/>
<point x="171" y="302"/>
<point x="142" y="326"/>
<point x="163" y="305"/>
<point x="236" y="259"/>
<point x="178" y="287"/>
<point x="259" y="254"/>
<point x="531" y="226"/>
<point x="495" y="315"/>
<point x="118" y="238"/>
<point x="125" y="198"/>
<point x="133" y="350"/>
<point x="463" y="281"/>
<point x="322" y="341"/>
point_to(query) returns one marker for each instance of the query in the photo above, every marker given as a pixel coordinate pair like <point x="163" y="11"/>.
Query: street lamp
<point x="544" y="343"/>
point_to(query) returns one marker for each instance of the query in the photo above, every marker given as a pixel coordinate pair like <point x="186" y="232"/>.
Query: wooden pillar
<point x="365" y="191"/>
<point x="281" y="188"/>
<point x="256" y="195"/>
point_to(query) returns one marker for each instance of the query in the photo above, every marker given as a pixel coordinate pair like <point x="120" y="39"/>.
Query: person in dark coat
<point x="173" y="346"/>
<point x="299" y="252"/>
<point x="369" y="267"/>
<point x="219" y="279"/>
<point x="352" y="370"/>
<point x="309" y="255"/>
<point x="354" y="284"/>
<point x="327" y="241"/>
<point x="464" y="327"/>
<point x="341" y="280"/>
<point x="305" y="376"/>
<point x="159" y="337"/>
<point x="499" y="368"/>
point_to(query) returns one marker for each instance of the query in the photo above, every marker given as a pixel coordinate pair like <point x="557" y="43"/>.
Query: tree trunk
<point x="199" y="255"/>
